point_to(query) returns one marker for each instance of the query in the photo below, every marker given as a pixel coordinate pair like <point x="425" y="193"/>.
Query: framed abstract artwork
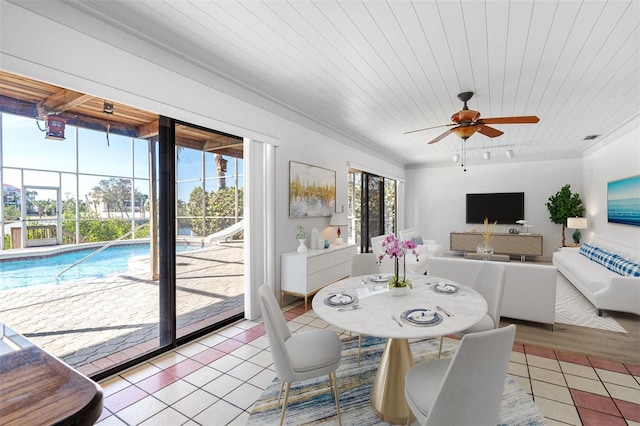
<point x="312" y="190"/>
<point x="623" y="201"/>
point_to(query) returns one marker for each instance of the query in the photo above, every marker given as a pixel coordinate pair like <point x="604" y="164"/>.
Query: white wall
<point x="617" y="160"/>
<point x="436" y="197"/>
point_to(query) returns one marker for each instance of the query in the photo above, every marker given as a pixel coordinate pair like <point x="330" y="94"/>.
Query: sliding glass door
<point x="372" y="207"/>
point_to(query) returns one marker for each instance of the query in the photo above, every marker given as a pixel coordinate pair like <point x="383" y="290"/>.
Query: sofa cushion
<point x="418" y="240"/>
<point x="624" y="267"/>
<point x="611" y="261"/>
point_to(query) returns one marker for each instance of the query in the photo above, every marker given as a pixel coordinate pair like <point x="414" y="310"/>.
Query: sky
<point x="24" y="146"/>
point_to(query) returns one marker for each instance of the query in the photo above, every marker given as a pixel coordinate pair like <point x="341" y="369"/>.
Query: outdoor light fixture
<point x="54" y="127"/>
<point x="510" y="153"/>
<point x="107" y="108"/>
<point x="486" y="155"/>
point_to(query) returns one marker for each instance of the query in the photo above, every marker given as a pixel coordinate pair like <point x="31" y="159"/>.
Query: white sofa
<point x="428" y="248"/>
<point x="529" y="289"/>
<point x="605" y="289"/>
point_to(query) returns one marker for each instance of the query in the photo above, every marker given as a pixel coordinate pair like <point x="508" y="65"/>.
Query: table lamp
<point x="338" y="219"/>
<point x="577" y="223"/>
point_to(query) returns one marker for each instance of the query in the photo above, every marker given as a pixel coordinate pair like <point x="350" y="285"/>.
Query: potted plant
<point x="301" y="236"/>
<point x="562" y="205"/>
<point x="396" y="250"/>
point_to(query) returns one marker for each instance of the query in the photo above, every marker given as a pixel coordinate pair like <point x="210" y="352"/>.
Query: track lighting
<point x="487" y="155"/>
<point x="510" y="153"/>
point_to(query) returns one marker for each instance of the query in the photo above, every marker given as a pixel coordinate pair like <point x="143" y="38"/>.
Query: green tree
<point x="562" y="205"/>
<point x="115" y="193"/>
<point x="11" y="213"/>
<point x="220" y="209"/>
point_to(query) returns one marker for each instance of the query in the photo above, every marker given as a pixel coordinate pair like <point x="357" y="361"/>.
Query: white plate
<point x="340" y="299"/>
<point x="446" y="288"/>
<point x="420" y="316"/>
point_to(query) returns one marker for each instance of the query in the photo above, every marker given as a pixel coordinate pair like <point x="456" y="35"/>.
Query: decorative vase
<point x="302" y="248"/>
<point x="399" y="291"/>
<point x="484" y="250"/>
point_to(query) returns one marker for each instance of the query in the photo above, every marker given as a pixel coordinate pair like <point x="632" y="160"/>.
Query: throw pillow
<point x="625" y="267"/>
<point x="417" y="240"/>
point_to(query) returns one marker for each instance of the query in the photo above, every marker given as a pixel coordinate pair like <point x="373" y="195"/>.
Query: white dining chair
<point x="364" y="264"/>
<point x="300" y="356"/>
<point x="466" y="389"/>
<point x="489" y="282"/>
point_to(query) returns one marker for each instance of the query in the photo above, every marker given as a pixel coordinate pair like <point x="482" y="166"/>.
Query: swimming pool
<point x="39" y="271"/>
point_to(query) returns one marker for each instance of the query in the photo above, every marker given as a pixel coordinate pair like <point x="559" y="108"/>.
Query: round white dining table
<point x="366" y="306"/>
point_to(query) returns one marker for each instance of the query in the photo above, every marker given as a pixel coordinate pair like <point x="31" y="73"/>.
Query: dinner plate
<point x="340" y="299"/>
<point x="379" y="278"/>
<point x="447" y="288"/>
<point x="421" y="316"/>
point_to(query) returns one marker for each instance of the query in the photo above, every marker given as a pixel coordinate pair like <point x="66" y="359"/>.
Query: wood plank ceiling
<point x="373" y="70"/>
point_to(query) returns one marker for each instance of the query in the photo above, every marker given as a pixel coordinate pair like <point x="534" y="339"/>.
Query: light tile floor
<point x="216" y="379"/>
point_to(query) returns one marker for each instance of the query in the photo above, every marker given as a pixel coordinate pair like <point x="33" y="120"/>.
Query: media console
<point x="510" y="244"/>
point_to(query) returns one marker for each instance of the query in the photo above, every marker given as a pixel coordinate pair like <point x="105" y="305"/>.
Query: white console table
<point x="304" y="274"/>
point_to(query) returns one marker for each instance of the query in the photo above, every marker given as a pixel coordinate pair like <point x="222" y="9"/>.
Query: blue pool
<point x="33" y="272"/>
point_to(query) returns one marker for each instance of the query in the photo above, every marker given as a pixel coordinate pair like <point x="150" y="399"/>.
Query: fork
<point x="393" y="317"/>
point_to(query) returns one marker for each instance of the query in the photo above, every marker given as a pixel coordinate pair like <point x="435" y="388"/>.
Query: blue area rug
<point x="311" y="402"/>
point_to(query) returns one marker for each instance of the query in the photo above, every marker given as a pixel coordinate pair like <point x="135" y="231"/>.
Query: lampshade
<point x="577" y="222"/>
<point x="465" y="131"/>
<point x="338" y="219"/>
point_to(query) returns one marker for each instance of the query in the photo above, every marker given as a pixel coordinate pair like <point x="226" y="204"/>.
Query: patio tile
<point x="617" y="378"/>
<point x="228" y="346"/>
<point x="579" y="370"/>
<point x="175" y="391"/>
<point x="586" y="385"/>
<point x="624" y="393"/>
<point x="629" y="410"/>
<point x="208" y="356"/>
<point x="555" y="410"/>
<point x="141" y="410"/>
<point x="168" y="416"/>
<point x="608" y="365"/>
<point x="220" y="413"/>
<point x="573" y="358"/>
<point x="548" y="376"/>
<point x="543" y="362"/>
<point x="543" y="352"/>
<point x="195" y="403"/>
<point x="551" y="391"/>
<point x="184" y="368"/>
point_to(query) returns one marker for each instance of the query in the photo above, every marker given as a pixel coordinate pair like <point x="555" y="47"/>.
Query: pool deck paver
<point x="94" y="321"/>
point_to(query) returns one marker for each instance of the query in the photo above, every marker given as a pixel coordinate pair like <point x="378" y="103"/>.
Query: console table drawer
<point x="512" y="244"/>
<point x="303" y="274"/>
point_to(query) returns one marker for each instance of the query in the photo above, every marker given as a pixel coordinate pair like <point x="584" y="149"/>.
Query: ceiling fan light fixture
<point x="465" y="131"/>
<point x="510" y="153"/>
<point x="456" y="157"/>
<point x="486" y="155"/>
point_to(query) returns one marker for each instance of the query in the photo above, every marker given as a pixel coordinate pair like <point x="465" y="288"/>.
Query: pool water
<point x="33" y="272"/>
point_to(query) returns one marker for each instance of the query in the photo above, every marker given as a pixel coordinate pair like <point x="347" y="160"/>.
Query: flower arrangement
<point x="487" y="232"/>
<point x="396" y="250"/>
<point x="301" y="234"/>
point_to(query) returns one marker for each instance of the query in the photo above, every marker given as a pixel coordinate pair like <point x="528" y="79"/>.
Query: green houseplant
<point x="562" y="205"/>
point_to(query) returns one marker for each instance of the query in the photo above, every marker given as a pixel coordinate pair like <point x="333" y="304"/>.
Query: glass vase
<point x="484" y="250"/>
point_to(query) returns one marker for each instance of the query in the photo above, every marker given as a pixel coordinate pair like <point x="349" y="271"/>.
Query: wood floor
<point x="609" y="345"/>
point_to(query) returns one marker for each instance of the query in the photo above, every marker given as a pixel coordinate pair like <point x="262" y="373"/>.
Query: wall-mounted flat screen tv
<point x="504" y="207"/>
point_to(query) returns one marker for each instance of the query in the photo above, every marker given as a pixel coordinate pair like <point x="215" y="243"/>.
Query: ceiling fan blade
<point x="442" y="136"/>
<point x="489" y="131"/>
<point x="524" y="119"/>
<point x="429" y="128"/>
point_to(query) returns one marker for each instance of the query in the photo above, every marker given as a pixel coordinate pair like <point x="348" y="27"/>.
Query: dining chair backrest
<point x="489" y="282"/>
<point x="277" y="332"/>
<point x="472" y="388"/>
<point x="364" y="264"/>
<point x="386" y="265"/>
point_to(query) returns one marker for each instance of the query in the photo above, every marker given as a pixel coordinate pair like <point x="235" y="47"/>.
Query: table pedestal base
<point x="387" y="393"/>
